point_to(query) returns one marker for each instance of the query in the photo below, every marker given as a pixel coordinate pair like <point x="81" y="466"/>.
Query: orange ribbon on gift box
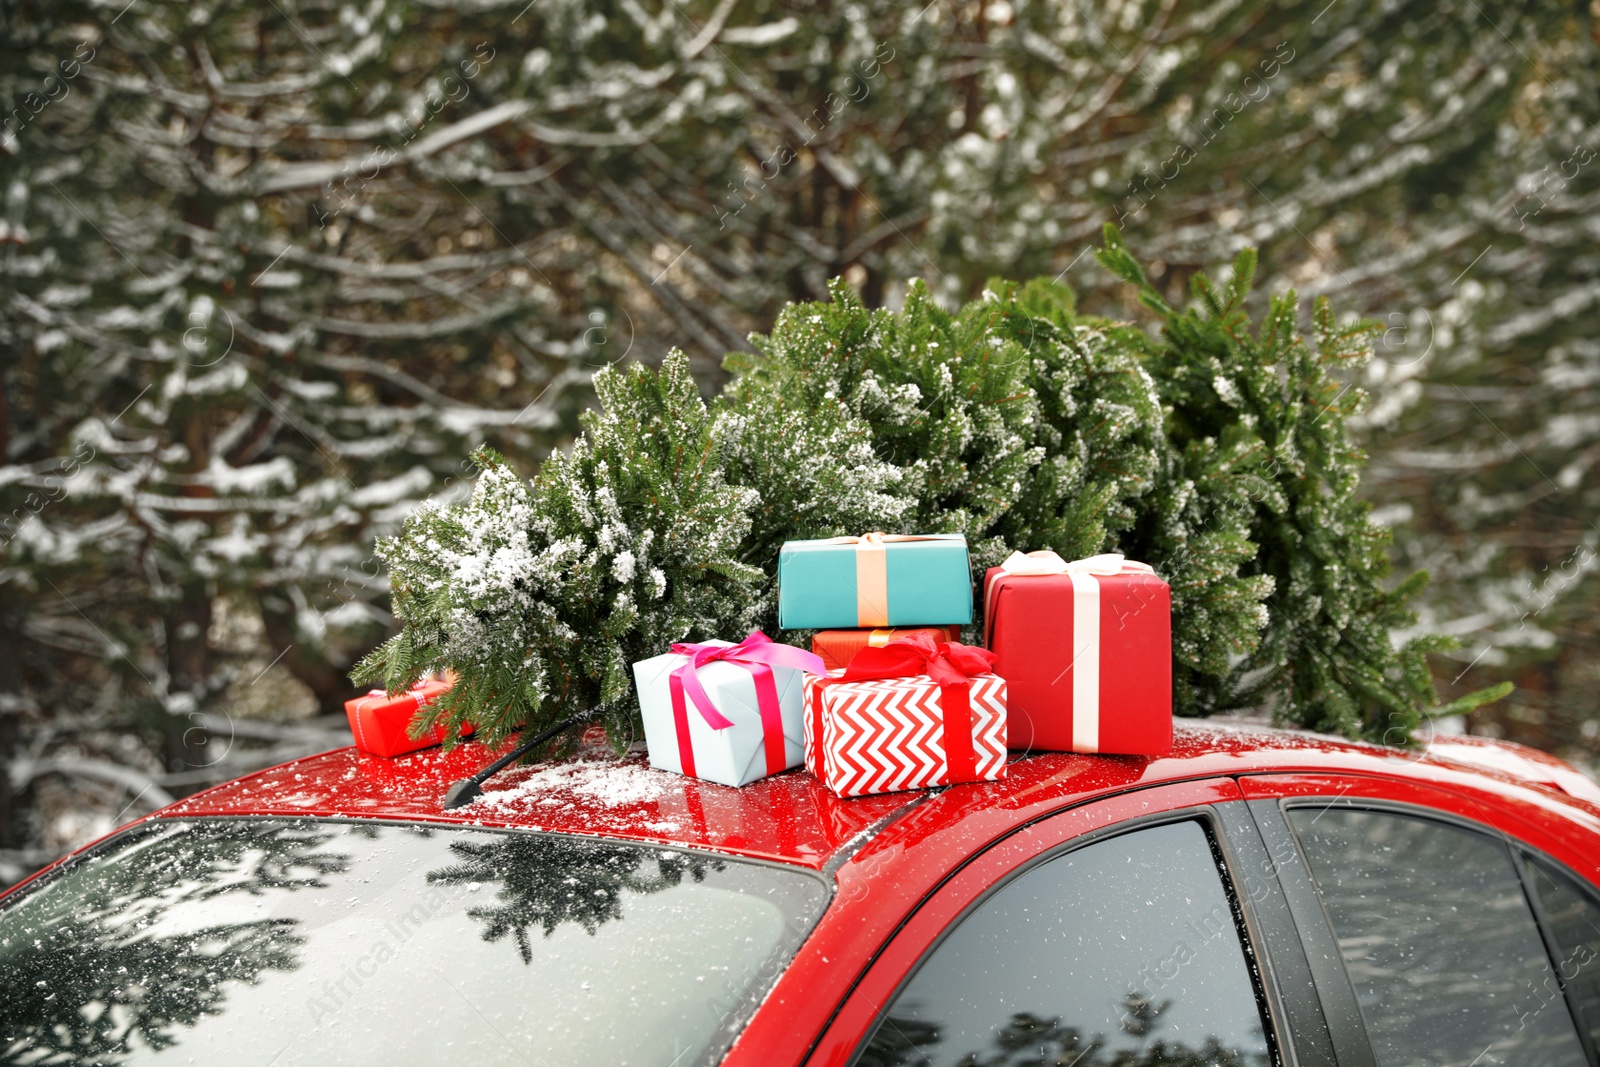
<point x="872" y="571"/>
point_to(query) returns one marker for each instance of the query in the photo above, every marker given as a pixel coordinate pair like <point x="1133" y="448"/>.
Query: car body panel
<point x="791" y="817"/>
<point x="893" y="856"/>
<point x="1521" y="762"/>
<point x="788" y="818"/>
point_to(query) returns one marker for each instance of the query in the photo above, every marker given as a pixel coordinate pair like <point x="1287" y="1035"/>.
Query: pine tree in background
<point x="1117" y="478"/>
<point x="217" y="399"/>
<point x="450" y="214"/>
<point x="1006" y="421"/>
<point x="814" y="469"/>
<point x="540" y="595"/>
<point x="943" y="395"/>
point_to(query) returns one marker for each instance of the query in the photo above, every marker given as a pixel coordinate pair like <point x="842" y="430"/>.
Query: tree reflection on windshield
<point x="1029" y="1040"/>
<point x="547" y="880"/>
<point x="301" y="943"/>
<point x="122" y="968"/>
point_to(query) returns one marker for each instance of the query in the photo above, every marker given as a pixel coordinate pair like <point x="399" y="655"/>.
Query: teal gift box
<point x="874" y="580"/>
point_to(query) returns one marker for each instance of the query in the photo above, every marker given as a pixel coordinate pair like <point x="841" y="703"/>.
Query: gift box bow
<point x="877" y="538"/>
<point x="418" y="692"/>
<point x="1030" y="564"/>
<point x="758" y="654"/>
<point x="946" y="662"/>
<point x="951" y="665"/>
<point x="1045" y="563"/>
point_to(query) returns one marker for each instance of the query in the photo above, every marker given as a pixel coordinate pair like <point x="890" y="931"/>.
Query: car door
<point x="1128" y="931"/>
<point x="1439" y="926"/>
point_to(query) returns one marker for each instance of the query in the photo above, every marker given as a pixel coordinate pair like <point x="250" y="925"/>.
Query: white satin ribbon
<point x="1033" y="564"/>
<point x="1085" y="659"/>
<point x="1084" y="574"/>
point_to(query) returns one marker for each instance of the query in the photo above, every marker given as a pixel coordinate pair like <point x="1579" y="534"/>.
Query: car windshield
<point x="275" y="942"/>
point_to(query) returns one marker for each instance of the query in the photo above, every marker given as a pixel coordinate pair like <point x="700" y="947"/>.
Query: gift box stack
<point x="864" y="713"/>
<point x="1078" y="660"/>
<point x="903" y="705"/>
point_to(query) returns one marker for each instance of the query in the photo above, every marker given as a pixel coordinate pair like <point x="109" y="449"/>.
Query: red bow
<point x="946" y="662"/>
<point x="950" y="664"/>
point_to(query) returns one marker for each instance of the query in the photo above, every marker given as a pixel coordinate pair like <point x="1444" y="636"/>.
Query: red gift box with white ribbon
<point x="910" y="714"/>
<point x="381" y="723"/>
<point x="1086" y="651"/>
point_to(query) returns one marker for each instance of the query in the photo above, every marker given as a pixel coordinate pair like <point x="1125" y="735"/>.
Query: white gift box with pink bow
<point x="724" y="712"/>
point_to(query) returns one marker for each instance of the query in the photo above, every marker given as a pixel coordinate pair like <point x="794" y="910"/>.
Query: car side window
<point x="1122" y="952"/>
<point x="1573" y="916"/>
<point x="1439" y="941"/>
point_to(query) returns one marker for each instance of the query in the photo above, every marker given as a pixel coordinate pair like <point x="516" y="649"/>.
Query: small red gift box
<point x="838" y="647"/>
<point x="911" y="714"/>
<point x="380" y="722"/>
<point x="1086" y="652"/>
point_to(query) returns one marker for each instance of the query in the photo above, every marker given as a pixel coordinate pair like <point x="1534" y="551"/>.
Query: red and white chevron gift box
<point x="890" y="734"/>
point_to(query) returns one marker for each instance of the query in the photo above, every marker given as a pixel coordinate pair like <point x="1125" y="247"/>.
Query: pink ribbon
<point x="758" y="654"/>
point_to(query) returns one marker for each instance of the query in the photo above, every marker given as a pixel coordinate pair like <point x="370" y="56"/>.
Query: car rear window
<point x="283" y="942"/>
<point x="1439" y="940"/>
<point x="1573" y="916"/>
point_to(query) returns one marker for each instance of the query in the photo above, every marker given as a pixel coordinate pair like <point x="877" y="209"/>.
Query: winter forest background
<point x="270" y="271"/>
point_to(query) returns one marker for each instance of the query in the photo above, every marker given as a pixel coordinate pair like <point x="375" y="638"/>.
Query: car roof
<point x="792" y="818"/>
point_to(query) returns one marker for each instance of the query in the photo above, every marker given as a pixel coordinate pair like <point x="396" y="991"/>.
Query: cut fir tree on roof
<point x="1214" y="448"/>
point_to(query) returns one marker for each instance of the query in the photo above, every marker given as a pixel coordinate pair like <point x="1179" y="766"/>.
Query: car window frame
<point x="1351" y="792"/>
<point x="1521" y="855"/>
<point x="970" y="885"/>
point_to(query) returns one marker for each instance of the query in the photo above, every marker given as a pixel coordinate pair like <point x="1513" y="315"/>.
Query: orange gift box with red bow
<point x="838" y="647"/>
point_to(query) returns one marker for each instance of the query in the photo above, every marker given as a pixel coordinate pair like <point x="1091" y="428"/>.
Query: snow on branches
<point x="1217" y="451"/>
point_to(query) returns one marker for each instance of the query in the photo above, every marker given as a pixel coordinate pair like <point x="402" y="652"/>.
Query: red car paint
<point x="906" y="864"/>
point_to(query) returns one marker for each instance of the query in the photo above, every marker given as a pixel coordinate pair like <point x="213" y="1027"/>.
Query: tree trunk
<point x="13" y="831"/>
<point x="188" y="621"/>
<point x="327" y="680"/>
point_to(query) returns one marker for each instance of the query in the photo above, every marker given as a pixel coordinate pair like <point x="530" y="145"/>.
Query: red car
<point x="1256" y="897"/>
